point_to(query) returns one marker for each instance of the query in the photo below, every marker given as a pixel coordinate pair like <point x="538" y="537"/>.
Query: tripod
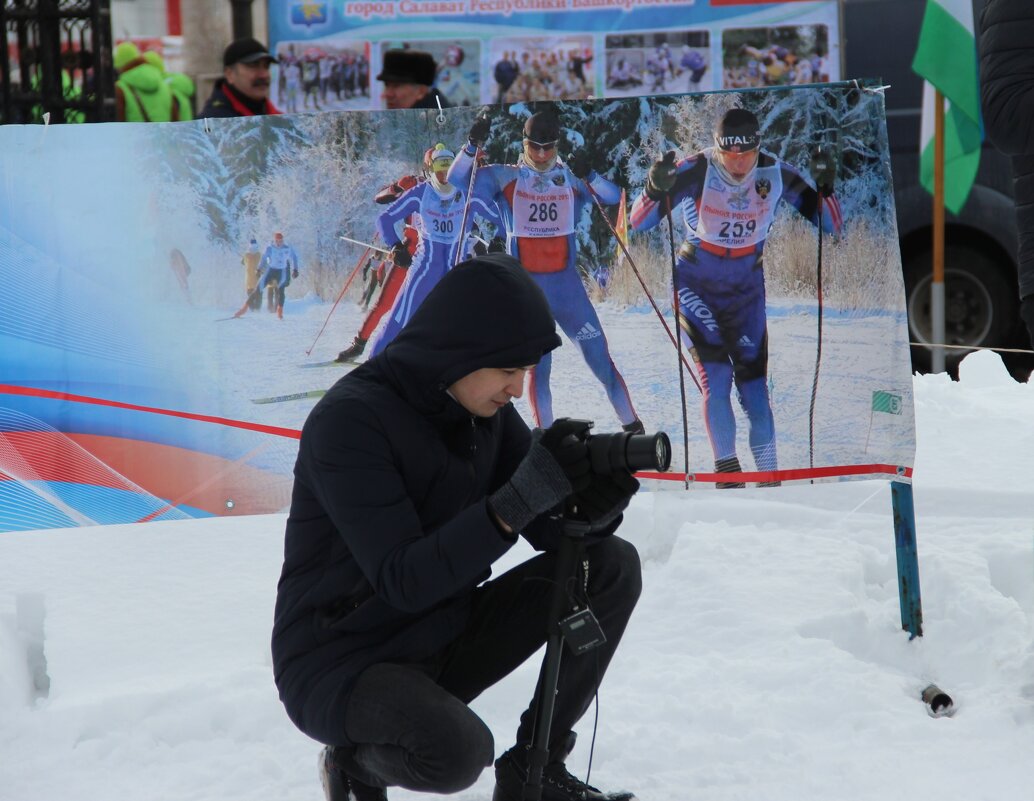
<point x="579" y="629"/>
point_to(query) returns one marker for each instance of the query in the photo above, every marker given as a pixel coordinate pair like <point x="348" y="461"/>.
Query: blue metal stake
<point x="908" y="558"/>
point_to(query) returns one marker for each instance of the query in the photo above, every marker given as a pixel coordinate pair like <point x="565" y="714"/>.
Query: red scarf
<point x="242" y="109"/>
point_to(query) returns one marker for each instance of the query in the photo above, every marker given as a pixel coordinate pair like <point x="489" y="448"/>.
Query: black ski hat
<point x="738" y="131"/>
<point x="542" y="127"/>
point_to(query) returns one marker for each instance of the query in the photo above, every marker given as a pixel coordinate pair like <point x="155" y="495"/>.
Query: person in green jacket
<point x="180" y="83"/>
<point x="141" y="93"/>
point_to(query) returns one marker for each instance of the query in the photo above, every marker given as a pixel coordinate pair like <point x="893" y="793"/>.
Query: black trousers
<point x="411" y="725"/>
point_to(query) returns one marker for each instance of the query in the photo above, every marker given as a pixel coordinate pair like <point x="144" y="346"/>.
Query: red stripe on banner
<point x="786" y="475"/>
<point x="185" y="477"/>
<point x="33" y="392"/>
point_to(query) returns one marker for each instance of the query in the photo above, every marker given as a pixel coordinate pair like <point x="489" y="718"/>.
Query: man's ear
<point x="227" y="73"/>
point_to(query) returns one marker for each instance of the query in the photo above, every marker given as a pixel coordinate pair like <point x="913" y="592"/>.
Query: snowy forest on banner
<point x="314" y="178"/>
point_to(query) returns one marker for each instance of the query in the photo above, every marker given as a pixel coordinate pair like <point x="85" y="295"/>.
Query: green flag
<point x="947" y="59"/>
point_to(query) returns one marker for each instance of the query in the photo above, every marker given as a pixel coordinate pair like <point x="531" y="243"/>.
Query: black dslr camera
<point x="624" y="451"/>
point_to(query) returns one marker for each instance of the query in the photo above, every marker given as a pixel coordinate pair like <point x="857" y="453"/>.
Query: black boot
<point x="729" y="464"/>
<point x="511" y="771"/>
<point x="353" y="351"/>
<point x="339" y="786"/>
<point x="635" y="427"/>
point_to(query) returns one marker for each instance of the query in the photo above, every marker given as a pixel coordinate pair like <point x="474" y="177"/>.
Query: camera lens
<point x="610" y="452"/>
<point x="648" y="452"/>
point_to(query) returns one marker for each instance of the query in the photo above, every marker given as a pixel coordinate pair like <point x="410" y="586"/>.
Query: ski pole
<point x="364" y="244"/>
<point x="818" y="345"/>
<point x="642" y="283"/>
<point x="678" y="347"/>
<point x="466" y="205"/>
<point x="341" y="294"/>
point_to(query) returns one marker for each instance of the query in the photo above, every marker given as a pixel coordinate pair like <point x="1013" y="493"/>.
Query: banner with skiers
<point x="179" y="296"/>
<point x="509" y="51"/>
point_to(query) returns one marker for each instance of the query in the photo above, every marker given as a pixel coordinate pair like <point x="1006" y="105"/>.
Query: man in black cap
<point x="408" y="78"/>
<point x="727" y="196"/>
<point x="415" y="474"/>
<point x="243" y="91"/>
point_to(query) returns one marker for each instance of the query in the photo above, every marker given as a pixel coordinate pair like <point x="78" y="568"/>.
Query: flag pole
<point x="937" y="285"/>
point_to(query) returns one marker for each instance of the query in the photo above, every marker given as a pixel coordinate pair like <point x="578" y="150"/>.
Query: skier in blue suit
<point x="541" y="201"/>
<point x="727" y="197"/>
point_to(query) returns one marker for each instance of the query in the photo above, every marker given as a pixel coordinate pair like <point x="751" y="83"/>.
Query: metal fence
<point x="57" y="60"/>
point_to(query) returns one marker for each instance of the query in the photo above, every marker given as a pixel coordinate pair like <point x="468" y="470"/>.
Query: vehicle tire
<point x="980" y="304"/>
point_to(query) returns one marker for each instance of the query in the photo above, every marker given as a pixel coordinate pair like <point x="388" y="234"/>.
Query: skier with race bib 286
<point x="540" y="201"/>
<point x="727" y="197"/>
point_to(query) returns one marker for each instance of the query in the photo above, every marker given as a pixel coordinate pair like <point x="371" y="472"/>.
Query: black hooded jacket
<point x="1007" y="93"/>
<point x="389" y="531"/>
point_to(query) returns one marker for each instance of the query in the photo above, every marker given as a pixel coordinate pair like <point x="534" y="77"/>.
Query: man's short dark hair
<point x="408" y="66"/>
<point x="246" y="51"/>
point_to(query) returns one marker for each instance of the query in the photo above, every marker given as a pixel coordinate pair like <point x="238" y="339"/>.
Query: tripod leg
<point x="545" y="699"/>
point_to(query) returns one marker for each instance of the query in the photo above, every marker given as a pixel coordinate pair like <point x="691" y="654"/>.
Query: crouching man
<point x="415" y="473"/>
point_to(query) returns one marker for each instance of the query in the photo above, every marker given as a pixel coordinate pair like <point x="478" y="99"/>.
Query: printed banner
<point x="496" y="51"/>
<point x="178" y="295"/>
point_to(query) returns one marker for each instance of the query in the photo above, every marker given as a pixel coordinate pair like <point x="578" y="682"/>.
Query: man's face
<point x="403" y="95"/>
<point x="738" y="164"/>
<point x="486" y="391"/>
<point x="278" y="240"/>
<point x="251" y="80"/>
<point x="540" y="155"/>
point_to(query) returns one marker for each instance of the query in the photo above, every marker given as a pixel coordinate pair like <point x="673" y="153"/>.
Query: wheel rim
<point x="968" y="310"/>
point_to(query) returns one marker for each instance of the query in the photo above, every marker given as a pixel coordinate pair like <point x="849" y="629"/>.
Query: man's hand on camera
<point x="570" y="451"/>
<point x="539" y="483"/>
<point x="400" y="255"/>
<point x="606" y="497"/>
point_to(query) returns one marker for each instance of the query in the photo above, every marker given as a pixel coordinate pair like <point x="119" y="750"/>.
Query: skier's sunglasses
<point x="545" y="147"/>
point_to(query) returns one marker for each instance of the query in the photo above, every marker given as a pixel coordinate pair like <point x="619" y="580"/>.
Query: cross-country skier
<point x="251" y="260"/>
<point x="727" y="197"/>
<point x="393" y="276"/>
<point x="435" y="208"/>
<point x="279" y="264"/>
<point x="540" y="201"/>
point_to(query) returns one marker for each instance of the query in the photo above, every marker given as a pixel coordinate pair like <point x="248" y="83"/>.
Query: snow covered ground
<point x="765" y="660"/>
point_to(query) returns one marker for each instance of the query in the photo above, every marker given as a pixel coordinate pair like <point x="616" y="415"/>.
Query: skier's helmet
<point x="541" y="134"/>
<point x="737" y="138"/>
<point x="437" y="161"/>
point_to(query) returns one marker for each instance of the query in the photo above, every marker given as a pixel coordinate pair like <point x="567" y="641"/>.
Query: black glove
<point x="606" y="496"/>
<point x="823" y="169"/>
<point x="539" y="483"/>
<point x="661" y="177"/>
<point x="400" y="255"/>
<point x="564" y="444"/>
<point x="579" y="166"/>
<point x="497" y="245"/>
<point x="294" y="273"/>
<point x="1027" y="313"/>
<point x="480" y="248"/>
<point x="479" y="131"/>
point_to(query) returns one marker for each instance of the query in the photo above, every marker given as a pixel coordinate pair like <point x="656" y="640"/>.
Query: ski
<point x="330" y="363"/>
<point x="312" y="393"/>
